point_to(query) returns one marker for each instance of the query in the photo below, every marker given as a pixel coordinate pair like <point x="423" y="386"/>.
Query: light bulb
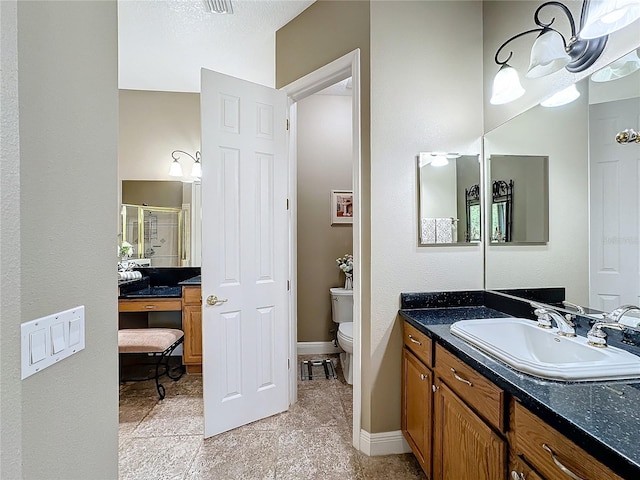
<point x="176" y="169"/>
<point x="563" y="97"/>
<point x="506" y="86"/>
<point x="606" y="17"/>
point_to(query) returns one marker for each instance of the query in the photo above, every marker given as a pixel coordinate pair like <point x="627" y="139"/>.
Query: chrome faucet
<point x="597" y="338"/>
<point x="618" y="313"/>
<point x="574" y="306"/>
<point x="566" y="327"/>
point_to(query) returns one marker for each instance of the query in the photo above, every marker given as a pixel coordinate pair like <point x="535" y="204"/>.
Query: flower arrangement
<point x="346" y="265"/>
<point x="125" y="250"/>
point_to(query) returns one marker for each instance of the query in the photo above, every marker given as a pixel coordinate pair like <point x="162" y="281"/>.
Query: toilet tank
<point x="341" y="304"/>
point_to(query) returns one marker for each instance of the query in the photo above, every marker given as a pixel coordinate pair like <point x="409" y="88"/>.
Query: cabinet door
<point x="192" y="325"/>
<point x="417" y="407"/>
<point x="464" y="447"/>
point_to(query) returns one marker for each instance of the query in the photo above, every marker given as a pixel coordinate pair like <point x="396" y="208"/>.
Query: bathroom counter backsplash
<point x="603" y="418"/>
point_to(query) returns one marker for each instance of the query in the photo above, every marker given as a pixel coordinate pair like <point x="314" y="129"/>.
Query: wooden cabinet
<point x="149" y="305"/>
<point x="192" y="326"/>
<point x="483" y="396"/>
<point x="460" y="425"/>
<point x="417" y="407"/>
<point x="550" y="452"/>
<point x="464" y="446"/>
<point x="417" y="394"/>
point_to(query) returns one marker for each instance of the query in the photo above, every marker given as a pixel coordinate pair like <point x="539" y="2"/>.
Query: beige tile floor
<point x="163" y="439"/>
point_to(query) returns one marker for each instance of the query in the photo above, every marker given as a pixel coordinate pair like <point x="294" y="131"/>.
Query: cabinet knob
<point x="517" y="476"/>
<point x="423" y="376"/>
<point x="414" y="340"/>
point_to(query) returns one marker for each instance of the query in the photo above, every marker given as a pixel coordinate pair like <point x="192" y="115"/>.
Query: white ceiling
<point x="162" y="44"/>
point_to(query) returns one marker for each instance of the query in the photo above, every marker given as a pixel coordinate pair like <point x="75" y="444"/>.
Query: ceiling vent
<point x="218" y="6"/>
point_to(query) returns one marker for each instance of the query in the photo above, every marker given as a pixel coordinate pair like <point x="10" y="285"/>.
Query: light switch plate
<point x="49" y="339"/>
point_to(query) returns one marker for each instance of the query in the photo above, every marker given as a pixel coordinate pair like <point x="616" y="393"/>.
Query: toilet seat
<point x="345" y="336"/>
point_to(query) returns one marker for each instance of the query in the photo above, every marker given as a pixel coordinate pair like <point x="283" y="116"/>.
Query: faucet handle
<point x="596" y="337"/>
<point x="544" y="318"/>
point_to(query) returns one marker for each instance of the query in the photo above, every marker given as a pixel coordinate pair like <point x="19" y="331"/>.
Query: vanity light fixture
<point x="176" y="169"/>
<point x="436" y="159"/>
<point x="552" y="52"/>
<point x="622" y="67"/>
<point x="563" y="97"/>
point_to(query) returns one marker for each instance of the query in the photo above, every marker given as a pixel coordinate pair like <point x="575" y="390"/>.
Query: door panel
<point x="244" y="253"/>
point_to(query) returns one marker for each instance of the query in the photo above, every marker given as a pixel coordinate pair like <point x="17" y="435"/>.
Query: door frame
<point x="340" y="69"/>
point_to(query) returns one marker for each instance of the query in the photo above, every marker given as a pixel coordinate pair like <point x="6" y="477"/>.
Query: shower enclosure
<point x="157" y="234"/>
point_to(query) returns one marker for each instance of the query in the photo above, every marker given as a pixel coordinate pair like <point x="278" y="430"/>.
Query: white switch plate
<point x="49" y="339"/>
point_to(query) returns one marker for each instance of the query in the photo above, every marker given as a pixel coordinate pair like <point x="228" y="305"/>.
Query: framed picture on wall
<point x="341" y="206"/>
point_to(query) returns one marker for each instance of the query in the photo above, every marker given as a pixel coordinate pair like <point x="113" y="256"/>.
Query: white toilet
<point x="342" y="313"/>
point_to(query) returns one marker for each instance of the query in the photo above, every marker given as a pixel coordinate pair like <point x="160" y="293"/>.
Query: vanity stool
<point x="154" y="342"/>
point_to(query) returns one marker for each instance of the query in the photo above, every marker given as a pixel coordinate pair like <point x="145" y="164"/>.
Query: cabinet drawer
<point x="547" y="449"/>
<point x="479" y="393"/>
<point x="192" y="295"/>
<point x="149" y="305"/>
<point x="419" y="344"/>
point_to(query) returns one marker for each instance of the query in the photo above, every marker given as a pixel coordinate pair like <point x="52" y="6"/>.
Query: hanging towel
<point x="445" y="230"/>
<point x="428" y="230"/>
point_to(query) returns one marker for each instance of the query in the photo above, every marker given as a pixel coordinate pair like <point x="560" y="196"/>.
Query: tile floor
<point x="163" y="439"/>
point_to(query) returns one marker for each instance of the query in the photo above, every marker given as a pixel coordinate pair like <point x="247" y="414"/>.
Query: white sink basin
<point x="524" y="346"/>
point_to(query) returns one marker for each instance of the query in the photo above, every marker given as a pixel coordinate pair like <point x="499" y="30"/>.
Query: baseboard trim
<point x="317" y="348"/>
<point x="384" y="443"/>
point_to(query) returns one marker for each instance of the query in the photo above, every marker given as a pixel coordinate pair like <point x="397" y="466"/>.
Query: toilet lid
<point x="346" y="329"/>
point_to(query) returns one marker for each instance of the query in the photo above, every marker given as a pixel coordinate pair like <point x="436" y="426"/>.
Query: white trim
<point x="384" y="443"/>
<point x="344" y="67"/>
<point x="317" y="348"/>
<point x="293" y="252"/>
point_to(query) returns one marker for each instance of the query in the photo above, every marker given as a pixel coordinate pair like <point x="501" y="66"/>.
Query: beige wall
<point x="324" y="164"/>
<point x="415" y="110"/>
<point x="63" y="421"/>
<point x="325" y="31"/>
<point x="151" y="126"/>
<point x="426" y="95"/>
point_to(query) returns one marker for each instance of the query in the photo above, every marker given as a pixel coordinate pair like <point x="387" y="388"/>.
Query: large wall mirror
<point x="162" y="221"/>
<point x="448" y="199"/>
<point x="593" y="247"/>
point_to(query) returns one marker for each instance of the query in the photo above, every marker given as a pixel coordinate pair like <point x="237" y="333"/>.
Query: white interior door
<point x="614" y="206"/>
<point x="244" y="252"/>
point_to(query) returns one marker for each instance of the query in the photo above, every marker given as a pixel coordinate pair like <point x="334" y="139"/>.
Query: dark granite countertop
<point x="197" y="280"/>
<point x="603" y="418"/>
<point x="129" y="282"/>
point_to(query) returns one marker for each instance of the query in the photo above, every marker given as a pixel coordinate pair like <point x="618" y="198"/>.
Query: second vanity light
<point x="551" y="51"/>
<point x="175" y="170"/>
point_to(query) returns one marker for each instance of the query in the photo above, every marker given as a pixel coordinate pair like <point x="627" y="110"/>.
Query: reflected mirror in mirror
<point x="594" y="222"/>
<point x="519" y="198"/>
<point x="448" y="199"/>
<point x="161" y="220"/>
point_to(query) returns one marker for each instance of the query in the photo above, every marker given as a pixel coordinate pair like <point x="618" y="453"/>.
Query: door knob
<point x="212" y="300"/>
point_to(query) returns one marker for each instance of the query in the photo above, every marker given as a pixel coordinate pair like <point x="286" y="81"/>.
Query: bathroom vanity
<point x="167" y="290"/>
<point x="468" y="415"/>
